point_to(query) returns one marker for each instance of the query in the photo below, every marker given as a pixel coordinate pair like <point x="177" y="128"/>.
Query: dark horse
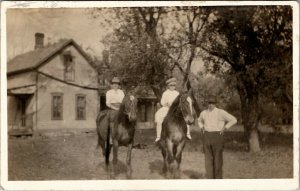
<point x="121" y="129"/>
<point x="173" y="136"/>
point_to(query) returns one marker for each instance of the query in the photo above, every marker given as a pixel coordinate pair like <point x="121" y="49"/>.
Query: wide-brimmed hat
<point x="115" y="80"/>
<point x="171" y="81"/>
<point x="212" y="100"/>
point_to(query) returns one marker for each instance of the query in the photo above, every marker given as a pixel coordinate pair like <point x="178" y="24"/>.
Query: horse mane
<point x="122" y="106"/>
<point x="174" y="107"/>
<point x="121" y="112"/>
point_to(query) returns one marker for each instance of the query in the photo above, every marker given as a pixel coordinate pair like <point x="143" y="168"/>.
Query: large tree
<point x="156" y="40"/>
<point x="256" y="42"/>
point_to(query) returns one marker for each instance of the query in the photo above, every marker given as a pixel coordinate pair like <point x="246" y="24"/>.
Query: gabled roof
<point x="33" y="59"/>
<point x="145" y="92"/>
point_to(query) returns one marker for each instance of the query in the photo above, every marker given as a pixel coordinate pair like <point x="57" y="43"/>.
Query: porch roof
<point x="22" y="90"/>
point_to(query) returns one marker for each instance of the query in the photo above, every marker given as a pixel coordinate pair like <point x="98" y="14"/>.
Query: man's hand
<point x="222" y="131"/>
<point x="202" y="130"/>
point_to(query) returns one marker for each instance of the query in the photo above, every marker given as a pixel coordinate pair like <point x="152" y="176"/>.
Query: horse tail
<point x="107" y="146"/>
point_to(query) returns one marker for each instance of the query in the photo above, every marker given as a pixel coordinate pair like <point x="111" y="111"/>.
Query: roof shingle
<point x="34" y="58"/>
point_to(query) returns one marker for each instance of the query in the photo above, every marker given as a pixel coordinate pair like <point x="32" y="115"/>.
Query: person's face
<point x="115" y="86"/>
<point x="211" y="106"/>
<point x="172" y="87"/>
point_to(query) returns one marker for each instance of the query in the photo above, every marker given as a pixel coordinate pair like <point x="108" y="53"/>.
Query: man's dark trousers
<point x="213" y="151"/>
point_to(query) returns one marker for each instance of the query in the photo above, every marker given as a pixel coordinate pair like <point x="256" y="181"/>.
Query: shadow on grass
<point x="120" y="167"/>
<point x="193" y="174"/>
<point x="156" y="167"/>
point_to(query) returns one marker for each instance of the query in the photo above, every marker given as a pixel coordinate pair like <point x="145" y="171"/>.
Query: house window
<point x="57" y="106"/>
<point x="143" y="113"/>
<point x="69" y="67"/>
<point x="80" y="107"/>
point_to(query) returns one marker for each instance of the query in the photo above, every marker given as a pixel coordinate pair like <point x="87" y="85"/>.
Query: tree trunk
<point x="250" y="113"/>
<point x="254" y="141"/>
<point x="196" y="106"/>
<point x="157" y="91"/>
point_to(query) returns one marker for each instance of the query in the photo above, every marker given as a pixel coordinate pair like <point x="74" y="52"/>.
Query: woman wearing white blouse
<point x="114" y="98"/>
<point x="167" y="99"/>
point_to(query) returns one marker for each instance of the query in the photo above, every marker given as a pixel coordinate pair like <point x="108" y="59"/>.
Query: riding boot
<point x="158" y="131"/>
<point x="188" y="135"/>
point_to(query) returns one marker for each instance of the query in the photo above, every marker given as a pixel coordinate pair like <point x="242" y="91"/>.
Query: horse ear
<point x="181" y="92"/>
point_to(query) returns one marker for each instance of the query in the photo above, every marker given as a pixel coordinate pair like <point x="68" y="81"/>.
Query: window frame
<point x="143" y="111"/>
<point x="52" y="106"/>
<point x="68" y="56"/>
<point x="76" y="106"/>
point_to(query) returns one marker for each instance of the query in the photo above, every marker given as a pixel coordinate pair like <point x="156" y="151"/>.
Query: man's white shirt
<point x="114" y="96"/>
<point x="215" y="120"/>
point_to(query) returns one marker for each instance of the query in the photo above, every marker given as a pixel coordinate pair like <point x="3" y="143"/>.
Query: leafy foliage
<point x="257" y="44"/>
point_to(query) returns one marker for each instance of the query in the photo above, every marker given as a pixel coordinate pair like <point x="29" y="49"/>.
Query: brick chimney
<point x="39" y="40"/>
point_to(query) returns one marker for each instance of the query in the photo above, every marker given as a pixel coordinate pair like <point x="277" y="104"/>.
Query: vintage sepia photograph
<point x="153" y="95"/>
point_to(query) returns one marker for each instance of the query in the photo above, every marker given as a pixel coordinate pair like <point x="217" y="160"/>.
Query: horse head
<point x="187" y="109"/>
<point x="131" y="107"/>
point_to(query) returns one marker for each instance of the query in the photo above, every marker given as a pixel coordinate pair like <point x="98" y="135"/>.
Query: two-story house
<point x="52" y="87"/>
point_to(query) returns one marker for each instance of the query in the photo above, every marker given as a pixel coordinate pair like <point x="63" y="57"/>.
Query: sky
<point x="73" y="23"/>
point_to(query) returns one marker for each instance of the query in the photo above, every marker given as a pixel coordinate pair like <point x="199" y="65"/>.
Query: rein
<point x="180" y="106"/>
<point x="126" y="112"/>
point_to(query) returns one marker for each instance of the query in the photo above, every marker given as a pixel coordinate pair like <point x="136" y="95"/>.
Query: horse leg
<point x="170" y="158"/>
<point x="101" y="143"/>
<point x="178" y="158"/>
<point x="164" y="154"/>
<point x="128" y="161"/>
<point x="115" y="157"/>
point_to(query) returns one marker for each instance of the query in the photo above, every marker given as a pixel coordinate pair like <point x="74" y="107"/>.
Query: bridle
<point x="180" y="106"/>
<point x="126" y="112"/>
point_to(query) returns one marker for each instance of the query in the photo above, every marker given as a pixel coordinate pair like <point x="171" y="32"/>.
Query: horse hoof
<point x="112" y="176"/>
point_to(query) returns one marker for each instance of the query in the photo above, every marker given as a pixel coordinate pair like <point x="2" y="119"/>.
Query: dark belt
<point x="211" y="131"/>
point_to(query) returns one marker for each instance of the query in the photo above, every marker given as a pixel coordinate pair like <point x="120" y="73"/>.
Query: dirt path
<point x="75" y="158"/>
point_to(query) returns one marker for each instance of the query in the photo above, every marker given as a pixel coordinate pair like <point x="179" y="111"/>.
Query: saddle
<point x="110" y="116"/>
<point x="110" y="113"/>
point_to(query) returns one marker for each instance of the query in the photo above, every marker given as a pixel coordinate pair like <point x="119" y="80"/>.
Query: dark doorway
<point x="23" y="111"/>
<point x="103" y="103"/>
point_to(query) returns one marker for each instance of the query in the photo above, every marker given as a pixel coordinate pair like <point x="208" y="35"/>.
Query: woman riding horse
<point x="114" y="98"/>
<point x="166" y="101"/>
<point x="174" y="129"/>
<point x="117" y="125"/>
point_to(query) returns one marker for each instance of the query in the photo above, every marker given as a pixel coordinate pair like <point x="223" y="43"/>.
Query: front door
<point x="25" y="119"/>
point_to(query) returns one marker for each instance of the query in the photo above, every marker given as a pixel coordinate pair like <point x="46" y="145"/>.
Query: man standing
<point x="213" y="122"/>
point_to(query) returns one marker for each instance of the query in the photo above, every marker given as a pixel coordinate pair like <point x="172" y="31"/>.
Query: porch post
<point x="153" y="108"/>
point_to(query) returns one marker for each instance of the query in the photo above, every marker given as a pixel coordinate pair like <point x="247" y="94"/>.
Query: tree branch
<point x="143" y="15"/>
<point x="218" y="54"/>
<point x="204" y="21"/>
